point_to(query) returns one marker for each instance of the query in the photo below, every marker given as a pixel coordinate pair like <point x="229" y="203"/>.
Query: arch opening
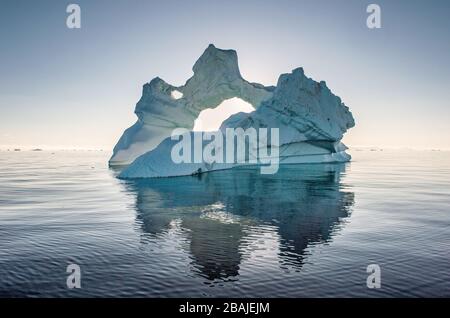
<point x="211" y="119"/>
<point x="175" y="94"/>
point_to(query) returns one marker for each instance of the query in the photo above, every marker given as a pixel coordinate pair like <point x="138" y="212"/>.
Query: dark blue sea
<point x="307" y="231"/>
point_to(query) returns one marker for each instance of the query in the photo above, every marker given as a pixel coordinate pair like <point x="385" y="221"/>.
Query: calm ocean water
<point x="308" y="231"/>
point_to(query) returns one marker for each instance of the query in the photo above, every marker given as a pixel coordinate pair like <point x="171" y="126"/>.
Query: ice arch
<point x="216" y="79"/>
<point x="211" y="119"/>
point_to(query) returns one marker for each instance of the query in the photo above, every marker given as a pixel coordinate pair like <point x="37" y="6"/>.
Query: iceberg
<point x="311" y="120"/>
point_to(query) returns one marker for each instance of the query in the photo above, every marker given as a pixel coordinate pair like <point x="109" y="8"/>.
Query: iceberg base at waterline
<point x="160" y="163"/>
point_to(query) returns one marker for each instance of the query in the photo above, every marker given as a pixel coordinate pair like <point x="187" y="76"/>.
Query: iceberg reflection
<point x="239" y="215"/>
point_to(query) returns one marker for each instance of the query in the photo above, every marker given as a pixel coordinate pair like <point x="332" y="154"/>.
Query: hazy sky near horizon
<point x="63" y="87"/>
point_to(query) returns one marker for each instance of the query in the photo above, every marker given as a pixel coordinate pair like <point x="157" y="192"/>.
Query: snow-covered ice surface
<point x="310" y="118"/>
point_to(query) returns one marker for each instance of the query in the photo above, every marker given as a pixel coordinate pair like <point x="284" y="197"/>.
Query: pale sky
<point x="78" y="88"/>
